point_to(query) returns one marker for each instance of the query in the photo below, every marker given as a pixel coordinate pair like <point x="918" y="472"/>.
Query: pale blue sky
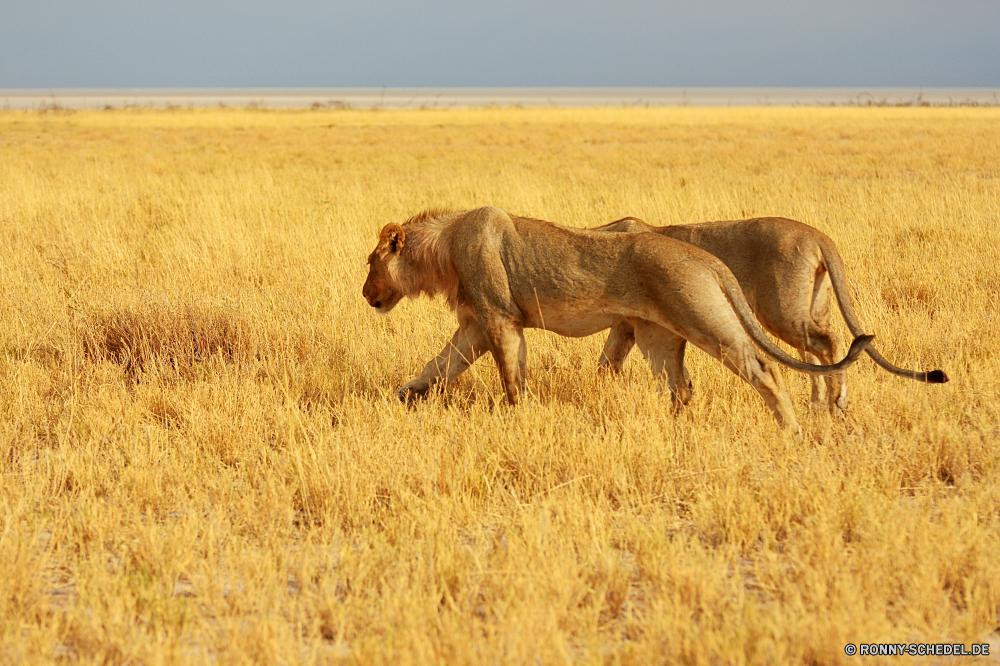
<point x="305" y="43"/>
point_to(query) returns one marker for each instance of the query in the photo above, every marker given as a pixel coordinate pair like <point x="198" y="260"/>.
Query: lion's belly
<point x="573" y="319"/>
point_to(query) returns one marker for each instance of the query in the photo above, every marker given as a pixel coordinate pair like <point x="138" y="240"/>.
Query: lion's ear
<point x="392" y="237"/>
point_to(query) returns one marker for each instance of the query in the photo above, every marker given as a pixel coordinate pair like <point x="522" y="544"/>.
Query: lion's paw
<point x="410" y="393"/>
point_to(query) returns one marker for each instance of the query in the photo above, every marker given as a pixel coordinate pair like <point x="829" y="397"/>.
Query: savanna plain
<point x="203" y="460"/>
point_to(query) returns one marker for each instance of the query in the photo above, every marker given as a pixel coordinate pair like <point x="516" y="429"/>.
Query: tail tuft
<point x="936" y="377"/>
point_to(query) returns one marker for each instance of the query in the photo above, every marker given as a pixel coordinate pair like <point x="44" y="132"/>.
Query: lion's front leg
<point x="466" y="345"/>
<point x="511" y="353"/>
<point x="664" y="350"/>
<point x="621" y="339"/>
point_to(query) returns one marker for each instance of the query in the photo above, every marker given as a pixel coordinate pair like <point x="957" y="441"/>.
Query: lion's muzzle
<point x="377" y="300"/>
<point x="382" y="300"/>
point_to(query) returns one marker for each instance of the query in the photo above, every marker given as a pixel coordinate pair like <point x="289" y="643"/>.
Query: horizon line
<point x="485" y="96"/>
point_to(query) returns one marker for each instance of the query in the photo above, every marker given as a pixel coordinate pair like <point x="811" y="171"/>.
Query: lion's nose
<point x="377" y="304"/>
<point x="368" y="293"/>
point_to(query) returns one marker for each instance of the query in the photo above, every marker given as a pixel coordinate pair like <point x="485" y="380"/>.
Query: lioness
<point x="502" y="273"/>
<point x="790" y="274"/>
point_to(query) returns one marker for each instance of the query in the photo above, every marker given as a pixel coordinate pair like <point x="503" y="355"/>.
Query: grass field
<point x="202" y="461"/>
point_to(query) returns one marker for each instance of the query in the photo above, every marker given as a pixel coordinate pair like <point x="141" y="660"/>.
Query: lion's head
<point x="382" y="290"/>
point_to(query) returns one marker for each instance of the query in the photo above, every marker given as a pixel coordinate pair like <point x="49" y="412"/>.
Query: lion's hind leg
<point x="823" y="342"/>
<point x="805" y="323"/>
<point x="815" y="337"/>
<point x="736" y="350"/>
<point x="817" y="383"/>
<point x="827" y="347"/>
<point x="764" y="374"/>
<point x="828" y="391"/>
<point x="664" y="350"/>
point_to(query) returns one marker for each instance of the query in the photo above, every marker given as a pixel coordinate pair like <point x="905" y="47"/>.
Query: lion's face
<point x="381" y="290"/>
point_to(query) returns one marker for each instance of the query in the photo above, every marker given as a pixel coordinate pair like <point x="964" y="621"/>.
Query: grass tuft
<point x="158" y="336"/>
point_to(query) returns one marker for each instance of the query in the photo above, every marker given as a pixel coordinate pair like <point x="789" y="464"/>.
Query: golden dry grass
<point x="202" y="461"/>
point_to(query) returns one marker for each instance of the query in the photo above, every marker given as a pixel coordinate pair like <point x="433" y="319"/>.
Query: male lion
<point x="502" y="273"/>
<point x="790" y="274"/>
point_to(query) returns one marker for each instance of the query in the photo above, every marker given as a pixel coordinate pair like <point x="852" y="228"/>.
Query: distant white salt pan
<point x="401" y="98"/>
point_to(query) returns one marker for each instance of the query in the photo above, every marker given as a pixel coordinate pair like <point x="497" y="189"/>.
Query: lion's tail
<point x="838" y="276"/>
<point x="739" y="302"/>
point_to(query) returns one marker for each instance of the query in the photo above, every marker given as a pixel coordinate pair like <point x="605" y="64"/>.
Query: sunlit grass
<point x="202" y="460"/>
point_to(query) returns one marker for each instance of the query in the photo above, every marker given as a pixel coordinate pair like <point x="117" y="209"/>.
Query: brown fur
<point x="429" y="214"/>
<point x="791" y="274"/>
<point x="503" y="273"/>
